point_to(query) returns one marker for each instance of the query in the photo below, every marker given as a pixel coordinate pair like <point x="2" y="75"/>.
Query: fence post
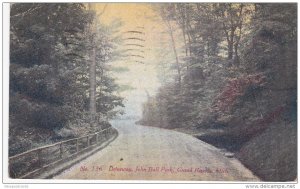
<point x="61" y="150"/>
<point x="39" y="156"/>
<point x="77" y="146"/>
<point x="10" y="171"/>
<point x="88" y="141"/>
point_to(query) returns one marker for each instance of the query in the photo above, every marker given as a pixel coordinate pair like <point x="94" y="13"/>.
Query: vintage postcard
<point x="153" y="92"/>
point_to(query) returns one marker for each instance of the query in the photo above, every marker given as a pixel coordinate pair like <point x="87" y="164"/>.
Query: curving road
<point x="148" y="153"/>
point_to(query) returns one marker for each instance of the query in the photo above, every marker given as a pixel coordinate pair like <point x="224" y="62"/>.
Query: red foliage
<point x="236" y="88"/>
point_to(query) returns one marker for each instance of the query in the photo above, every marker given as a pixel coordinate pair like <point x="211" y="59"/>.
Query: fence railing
<point x="26" y="163"/>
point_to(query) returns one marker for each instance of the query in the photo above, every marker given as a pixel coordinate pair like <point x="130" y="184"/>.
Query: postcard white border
<point x="91" y="183"/>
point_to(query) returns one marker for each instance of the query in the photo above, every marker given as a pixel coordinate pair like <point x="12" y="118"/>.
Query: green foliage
<point x="44" y="57"/>
<point x="49" y="59"/>
<point x="244" y="104"/>
<point x="211" y="84"/>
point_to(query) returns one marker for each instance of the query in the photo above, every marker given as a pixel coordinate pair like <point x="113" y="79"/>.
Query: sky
<point x="142" y="77"/>
<point x="135" y="16"/>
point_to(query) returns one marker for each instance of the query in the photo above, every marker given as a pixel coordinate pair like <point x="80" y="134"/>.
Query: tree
<point x="232" y="16"/>
<point x="49" y="72"/>
<point x="166" y="17"/>
<point x="92" y="73"/>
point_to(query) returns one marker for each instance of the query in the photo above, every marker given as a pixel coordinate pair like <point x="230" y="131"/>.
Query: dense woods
<point x="235" y="81"/>
<point x="54" y="48"/>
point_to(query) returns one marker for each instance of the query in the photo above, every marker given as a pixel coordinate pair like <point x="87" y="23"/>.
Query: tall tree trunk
<point x="93" y="86"/>
<point x="189" y="44"/>
<point x="238" y="37"/>
<point x="169" y="27"/>
<point x="230" y="43"/>
<point x="175" y="54"/>
<point x="93" y="81"/>
<point x="183" y="26"/>
<point x="92" y="76"/>
<point x="184" y="39"/>
<point x="185" y="46"/>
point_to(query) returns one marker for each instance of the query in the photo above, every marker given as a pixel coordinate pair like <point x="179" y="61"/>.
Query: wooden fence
<point x="29" y="162"/>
